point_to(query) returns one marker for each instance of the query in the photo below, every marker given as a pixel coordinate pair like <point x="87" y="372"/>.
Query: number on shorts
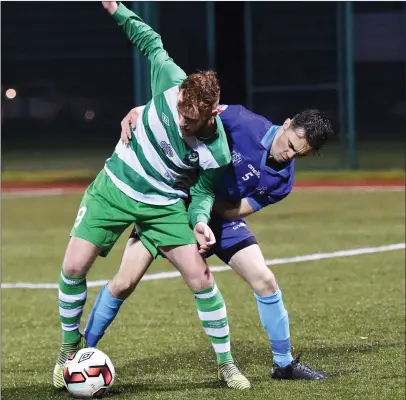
<point x="81" y="214"/>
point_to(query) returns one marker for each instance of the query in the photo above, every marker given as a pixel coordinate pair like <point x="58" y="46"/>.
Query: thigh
<point x="250" y="264"/>
<point x="228" y="235"/>
<point x="79" y="257"/>
<point x="190" y="264"/>
<point x="135" y="262"/>
<point x="101" y="218"/>
<point x="159" y="226"/>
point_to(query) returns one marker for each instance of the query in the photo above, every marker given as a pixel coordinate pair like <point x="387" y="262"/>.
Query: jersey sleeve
<point x="202" y="196"/>
<point x="259" y="201"/>
<point x="164" y="72"/>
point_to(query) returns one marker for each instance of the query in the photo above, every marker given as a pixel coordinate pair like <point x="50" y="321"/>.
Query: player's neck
<point x="273" y="164"/>
<point x="209" y="131"/>
<point x="274" y="142"/>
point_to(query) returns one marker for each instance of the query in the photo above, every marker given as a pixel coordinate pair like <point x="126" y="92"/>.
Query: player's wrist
<point x="121" y="13"/>
<point x="200" y="219"/>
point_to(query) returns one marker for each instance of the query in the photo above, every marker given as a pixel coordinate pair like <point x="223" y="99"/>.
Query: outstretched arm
<point x="164" y="72"/>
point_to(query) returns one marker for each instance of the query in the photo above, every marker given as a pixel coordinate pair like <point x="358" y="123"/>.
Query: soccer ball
<point x="88" y="373"/>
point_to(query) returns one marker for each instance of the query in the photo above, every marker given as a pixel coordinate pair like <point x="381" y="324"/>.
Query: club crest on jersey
<point x="167" y="148"/>
<point x="192" y="158"/>
<point x="165" y="119"/>
<point x="85" y="356"/>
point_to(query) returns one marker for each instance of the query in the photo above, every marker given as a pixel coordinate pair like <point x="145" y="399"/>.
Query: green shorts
<point x="105" y="213"/>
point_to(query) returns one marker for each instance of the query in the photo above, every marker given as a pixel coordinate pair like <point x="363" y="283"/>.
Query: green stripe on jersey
<point x="219" y="148"/>
<point x="162" y="146"/>
<point x="131" y="178"/>
<point x="148" y="168"/>
<point x="213" y="152"/>
<point x="170" y="124"/>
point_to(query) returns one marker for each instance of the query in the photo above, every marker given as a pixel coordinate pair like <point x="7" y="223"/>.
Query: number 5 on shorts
<point x="81" y="214"/>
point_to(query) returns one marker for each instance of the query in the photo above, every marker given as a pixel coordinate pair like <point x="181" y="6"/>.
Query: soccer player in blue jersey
<point x="261" y="174"/>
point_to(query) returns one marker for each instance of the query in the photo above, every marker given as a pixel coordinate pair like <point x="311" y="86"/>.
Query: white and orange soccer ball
<point x="88" y="373"/>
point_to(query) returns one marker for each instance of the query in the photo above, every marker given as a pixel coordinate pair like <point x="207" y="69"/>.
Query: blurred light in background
<point x="89" y="115"/>
<point x="11" y="93"/>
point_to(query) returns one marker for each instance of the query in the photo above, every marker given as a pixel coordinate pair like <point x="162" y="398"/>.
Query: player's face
<point x="193" y="123"/>
<point x="289" y="144"/>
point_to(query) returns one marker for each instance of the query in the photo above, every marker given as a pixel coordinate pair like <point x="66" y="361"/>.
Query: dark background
<point x="64" y="58"/>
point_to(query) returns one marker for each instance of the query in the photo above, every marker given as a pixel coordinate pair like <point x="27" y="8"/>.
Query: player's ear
<point x="215" y="111"/>
<point x="287" y="123"/>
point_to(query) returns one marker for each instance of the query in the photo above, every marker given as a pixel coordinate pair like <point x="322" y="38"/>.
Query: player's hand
<point x="129" y="121"/>
<point x="110" y="6"/>
<point x="204" y="236"/>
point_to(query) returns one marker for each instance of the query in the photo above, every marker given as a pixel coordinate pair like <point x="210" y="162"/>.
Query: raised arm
<point x="164" y="72"/>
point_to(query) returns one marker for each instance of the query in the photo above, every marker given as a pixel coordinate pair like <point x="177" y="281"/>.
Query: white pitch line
<point x="218" y="268"/>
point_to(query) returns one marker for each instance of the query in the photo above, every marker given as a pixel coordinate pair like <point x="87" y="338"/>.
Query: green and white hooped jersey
<point x="159" y="155"/>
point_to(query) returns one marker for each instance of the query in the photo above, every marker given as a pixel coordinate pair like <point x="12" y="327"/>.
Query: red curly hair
<point x="200" y="93"/>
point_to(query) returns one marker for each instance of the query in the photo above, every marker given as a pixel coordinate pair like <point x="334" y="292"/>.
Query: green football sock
<point x="213" y="316"/>
<point x="72" y="298"/>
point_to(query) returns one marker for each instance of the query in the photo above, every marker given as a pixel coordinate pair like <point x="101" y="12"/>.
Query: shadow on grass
<point x="192" y="370"/>
<point x="334" y="351"/>
<point x="34" y="392"/>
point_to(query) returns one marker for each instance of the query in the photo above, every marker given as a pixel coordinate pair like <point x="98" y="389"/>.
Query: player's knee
<point x="266" y="284"/>
<point x="79" y="257"/>
<point x="120" y="287"/>
<point x="74" y="268"/>
<point x="200" y="281"/>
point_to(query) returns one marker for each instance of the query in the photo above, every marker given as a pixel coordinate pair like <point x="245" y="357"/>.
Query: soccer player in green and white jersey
<point x="177" y="133"/>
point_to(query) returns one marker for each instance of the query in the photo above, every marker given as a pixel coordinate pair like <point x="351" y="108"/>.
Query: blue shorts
<point x="231" y="237"/>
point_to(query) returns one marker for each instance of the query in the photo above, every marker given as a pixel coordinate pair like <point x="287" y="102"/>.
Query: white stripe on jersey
<point x="155" y="199"/>
<point x="206" y="159"/>
<point x="161" y="136"/>
<point x="127" y="155"/>
<point x="150" y="153"/>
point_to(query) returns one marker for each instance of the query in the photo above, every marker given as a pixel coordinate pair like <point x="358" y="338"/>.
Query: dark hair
<point x="316" y="126"/>
<point x="201" y="91"/>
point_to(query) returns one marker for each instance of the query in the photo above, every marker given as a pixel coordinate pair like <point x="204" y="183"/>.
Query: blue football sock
<point x="101" y="316"/>
<point x="275" y="321"/>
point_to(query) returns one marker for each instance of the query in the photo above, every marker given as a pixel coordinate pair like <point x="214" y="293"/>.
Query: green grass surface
<point x="346" y="314"/>
<point x="377" y="160"/>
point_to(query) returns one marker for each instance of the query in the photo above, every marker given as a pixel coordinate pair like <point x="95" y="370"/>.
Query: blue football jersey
<point x="250" y="137"/>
